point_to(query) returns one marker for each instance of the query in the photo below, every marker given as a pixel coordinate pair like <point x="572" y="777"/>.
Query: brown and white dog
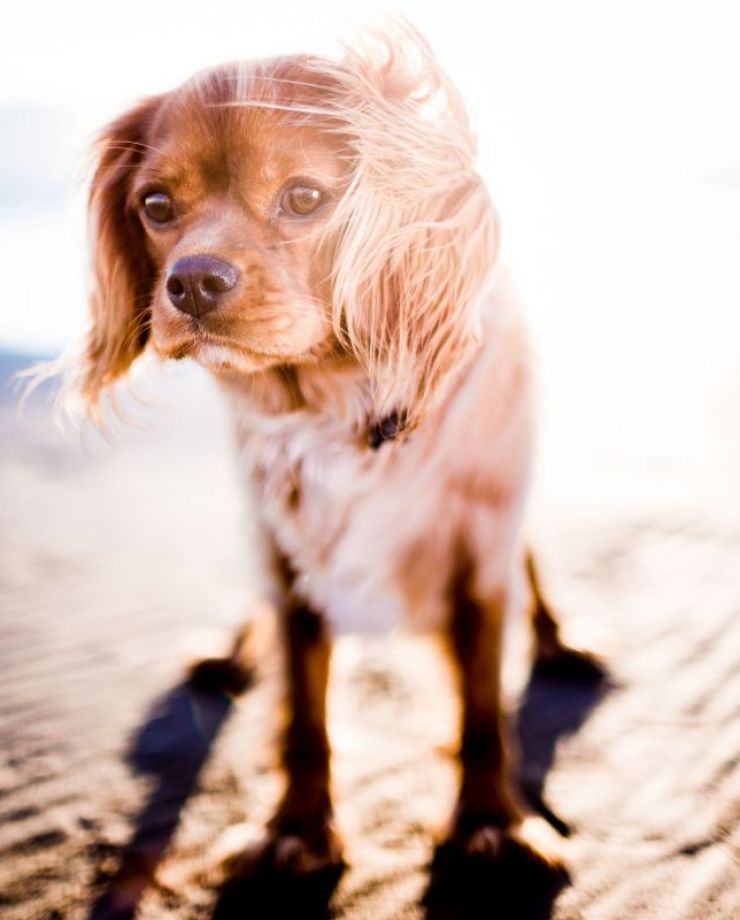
<point x="314" y="233"/>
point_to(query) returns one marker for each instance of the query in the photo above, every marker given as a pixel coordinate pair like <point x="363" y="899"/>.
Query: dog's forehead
<point x="233" y="126"/>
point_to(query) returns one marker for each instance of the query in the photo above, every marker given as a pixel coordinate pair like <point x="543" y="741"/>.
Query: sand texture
<point x="118" y="562"/>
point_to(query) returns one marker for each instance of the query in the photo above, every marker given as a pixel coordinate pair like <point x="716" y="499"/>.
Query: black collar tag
<point x="386" y="429"/>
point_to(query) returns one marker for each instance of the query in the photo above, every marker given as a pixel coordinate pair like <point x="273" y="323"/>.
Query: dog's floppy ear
<point x="123" y="273"/>
<point x="416" y="235"/>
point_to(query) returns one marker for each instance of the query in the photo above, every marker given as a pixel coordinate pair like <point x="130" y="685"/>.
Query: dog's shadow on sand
<point x="173" y="744"/>
<point x="171" y="747"/>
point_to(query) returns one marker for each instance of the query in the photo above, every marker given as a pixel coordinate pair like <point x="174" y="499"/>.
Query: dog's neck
<point x="335" y="390"/>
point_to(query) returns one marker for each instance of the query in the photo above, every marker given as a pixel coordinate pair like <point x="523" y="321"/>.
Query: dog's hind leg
<point x="232" y="673"/>
<point x="553" y="657"/>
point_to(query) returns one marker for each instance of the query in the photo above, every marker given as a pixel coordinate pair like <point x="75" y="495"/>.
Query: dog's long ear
<point x="123" y="273"/>
<point x="416" y="235"/>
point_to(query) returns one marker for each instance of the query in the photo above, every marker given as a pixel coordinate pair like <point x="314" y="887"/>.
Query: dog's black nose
<point x="196" y="284"/>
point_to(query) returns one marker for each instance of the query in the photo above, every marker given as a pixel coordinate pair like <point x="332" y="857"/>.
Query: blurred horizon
<point x="610" y="141"/>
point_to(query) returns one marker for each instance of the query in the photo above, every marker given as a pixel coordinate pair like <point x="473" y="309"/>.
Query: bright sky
<point x="610" y="137"/>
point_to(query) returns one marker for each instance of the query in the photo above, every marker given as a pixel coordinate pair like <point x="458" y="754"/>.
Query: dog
<point x="315" y="234"/>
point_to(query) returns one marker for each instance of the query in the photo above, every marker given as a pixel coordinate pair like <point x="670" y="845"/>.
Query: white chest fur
<point x="374" y="534"/>
<point x="340" y="512"/>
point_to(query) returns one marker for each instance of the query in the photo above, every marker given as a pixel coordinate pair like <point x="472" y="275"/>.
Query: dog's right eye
<point x="158" y="207"/>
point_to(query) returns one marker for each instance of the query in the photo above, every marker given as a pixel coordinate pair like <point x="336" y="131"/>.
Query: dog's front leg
<point x="488" y="820"/>
<point x="302" y="830"/>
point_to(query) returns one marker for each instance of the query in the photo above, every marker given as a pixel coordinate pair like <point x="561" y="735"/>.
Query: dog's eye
<point x="299" y="200"/>
<point x="158" y="207"/>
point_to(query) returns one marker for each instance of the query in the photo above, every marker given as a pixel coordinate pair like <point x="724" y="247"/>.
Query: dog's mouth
<point x="244" y="340"/>
<point x="192" y="339"/>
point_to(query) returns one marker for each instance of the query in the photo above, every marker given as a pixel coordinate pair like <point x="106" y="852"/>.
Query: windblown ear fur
<point x="415" y="236"/>
<point x="123" y="273"/>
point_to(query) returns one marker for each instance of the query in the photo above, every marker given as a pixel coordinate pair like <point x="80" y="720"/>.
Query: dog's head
<point x="294" y="211"/>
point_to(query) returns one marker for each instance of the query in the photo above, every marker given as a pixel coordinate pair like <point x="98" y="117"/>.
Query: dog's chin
<point x="225" y="358"/>
<point x="217" y="357"/>
<point x="221" y="352"/>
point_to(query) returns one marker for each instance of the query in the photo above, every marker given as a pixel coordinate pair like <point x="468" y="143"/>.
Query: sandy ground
<point x="118" y="562"/>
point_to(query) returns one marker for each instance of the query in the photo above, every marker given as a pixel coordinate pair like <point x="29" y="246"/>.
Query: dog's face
<point x="290" y="212"/>
<point x="229" y="200"/>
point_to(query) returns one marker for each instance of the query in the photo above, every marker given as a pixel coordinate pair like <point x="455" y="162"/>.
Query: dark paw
<point x="287" y="854"/>
<point x="487" y="871"/>
<point x="282" y="875"/>
<point x="221" y="675"/>
<point x="530" y="842"/>
<point x="571" y="665"/>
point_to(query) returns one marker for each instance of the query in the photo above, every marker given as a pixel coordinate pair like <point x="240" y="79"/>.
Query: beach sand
<point x="119" y="562"/>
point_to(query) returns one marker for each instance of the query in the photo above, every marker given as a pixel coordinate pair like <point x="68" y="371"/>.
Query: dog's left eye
<point x="158" y="207"/>
<point x="299" y="200"/>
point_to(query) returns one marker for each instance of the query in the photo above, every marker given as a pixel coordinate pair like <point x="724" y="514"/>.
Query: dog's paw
<point x="571" y="665"/>
<point x="526" y="845"/>
<point x="284" y="854"/>
<point x="297" y="855"/>
<point x="221" y="675"/>
<point x="486" y="869"/>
